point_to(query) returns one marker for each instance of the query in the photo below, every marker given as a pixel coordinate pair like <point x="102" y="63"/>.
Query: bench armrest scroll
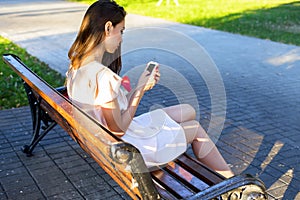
<point x="130" y="157"/>
<point x="242" y="186"/>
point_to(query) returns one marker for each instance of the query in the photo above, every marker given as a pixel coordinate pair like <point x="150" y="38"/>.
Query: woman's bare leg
<point x="204" y="149"/>
<point x="181" y="113"/>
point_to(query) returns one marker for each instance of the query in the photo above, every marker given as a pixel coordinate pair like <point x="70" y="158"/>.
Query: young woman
<point x="94" y="84"/>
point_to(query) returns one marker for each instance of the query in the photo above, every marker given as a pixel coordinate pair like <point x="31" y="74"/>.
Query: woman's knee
<point x="189" y="111"/>
<point x="191" y="130"/>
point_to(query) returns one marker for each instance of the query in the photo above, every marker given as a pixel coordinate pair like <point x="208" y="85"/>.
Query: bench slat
<point x="186" y="178"/>
<point x="180" y="180"/>
<point x="171" y="184"/>
<point x="199" y="170"/>
<point x="164" y="193"/>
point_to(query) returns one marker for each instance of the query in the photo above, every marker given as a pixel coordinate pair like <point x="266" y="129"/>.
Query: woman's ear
<point x="108" y="28"/>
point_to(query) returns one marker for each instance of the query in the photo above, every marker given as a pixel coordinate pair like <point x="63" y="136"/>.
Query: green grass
<point x="277" y="20"/>
<point x="12" y="93"/>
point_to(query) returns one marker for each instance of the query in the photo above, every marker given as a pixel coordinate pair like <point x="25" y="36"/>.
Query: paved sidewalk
<point x="261" y="82"/>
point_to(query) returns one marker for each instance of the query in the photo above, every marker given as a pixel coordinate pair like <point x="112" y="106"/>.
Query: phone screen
<point x="151" y="67"/>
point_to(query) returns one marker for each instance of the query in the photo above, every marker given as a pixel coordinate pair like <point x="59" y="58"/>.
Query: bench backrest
<point x="113" y="155"/>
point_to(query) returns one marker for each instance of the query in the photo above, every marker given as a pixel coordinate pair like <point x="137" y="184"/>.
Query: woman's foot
<point x="226" y="174"/>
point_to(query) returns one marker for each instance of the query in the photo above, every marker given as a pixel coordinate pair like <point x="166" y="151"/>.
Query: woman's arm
<point x="119" y="122"/>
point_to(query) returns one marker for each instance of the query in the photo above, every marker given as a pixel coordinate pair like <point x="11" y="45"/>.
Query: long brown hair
<point x="92" y="31"/>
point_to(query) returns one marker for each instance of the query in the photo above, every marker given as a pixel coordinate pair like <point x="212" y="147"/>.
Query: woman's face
<point x="113" y="38"/>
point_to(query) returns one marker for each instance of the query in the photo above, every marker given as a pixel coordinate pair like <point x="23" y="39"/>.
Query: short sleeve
<point x="107" y="87"/>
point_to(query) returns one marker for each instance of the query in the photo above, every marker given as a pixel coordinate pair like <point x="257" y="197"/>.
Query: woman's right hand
<point x="148" y="80"/>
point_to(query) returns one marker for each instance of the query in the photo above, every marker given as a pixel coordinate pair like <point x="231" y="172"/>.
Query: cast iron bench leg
<point x="38" y="116"/>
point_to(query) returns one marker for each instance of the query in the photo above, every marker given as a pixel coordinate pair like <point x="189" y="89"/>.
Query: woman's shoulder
<point x="99" y="71"/>
<point x="93" y="67"/>
<point x="104" y="71"/>
<point x="96" y="68"/>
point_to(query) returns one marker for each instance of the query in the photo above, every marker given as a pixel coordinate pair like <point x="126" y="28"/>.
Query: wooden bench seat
<point x="183" y="178"/>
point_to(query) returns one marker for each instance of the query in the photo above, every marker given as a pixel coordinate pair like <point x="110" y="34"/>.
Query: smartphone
<point x="151" y="65"/>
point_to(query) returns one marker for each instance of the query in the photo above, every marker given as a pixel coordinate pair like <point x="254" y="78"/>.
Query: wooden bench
<point x="184" y="178"/>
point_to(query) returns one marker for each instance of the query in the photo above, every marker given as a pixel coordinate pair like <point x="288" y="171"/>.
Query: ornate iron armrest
<point x="128" y="155"/>
<point x="238" y="187"/>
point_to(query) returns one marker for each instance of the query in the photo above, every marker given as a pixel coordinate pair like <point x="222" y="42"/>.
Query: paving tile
<point x="69" y="194"/>
<point x="25" y="194"/>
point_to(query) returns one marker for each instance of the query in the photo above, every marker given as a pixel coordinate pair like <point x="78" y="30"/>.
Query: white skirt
<point x="158" y="137"/>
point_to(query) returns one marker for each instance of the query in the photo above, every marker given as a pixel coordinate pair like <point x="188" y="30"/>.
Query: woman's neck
<point x="95" y="55"/>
